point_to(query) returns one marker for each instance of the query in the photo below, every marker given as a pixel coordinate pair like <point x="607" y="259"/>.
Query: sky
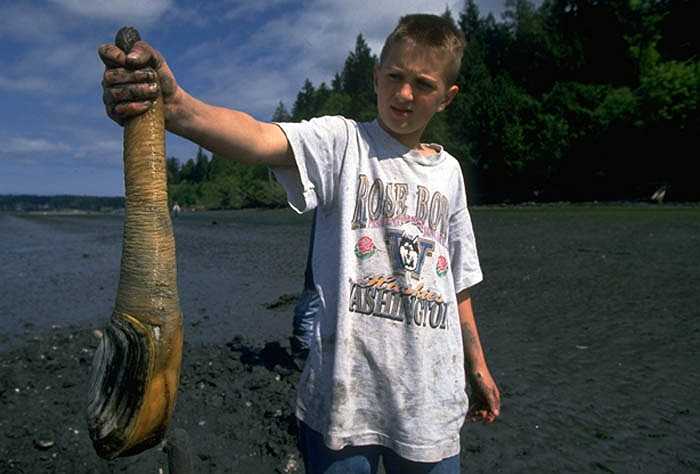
<point x="55" y="137"/>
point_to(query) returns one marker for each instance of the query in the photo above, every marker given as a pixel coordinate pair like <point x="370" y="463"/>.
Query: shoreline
<point x="625" y="204"/>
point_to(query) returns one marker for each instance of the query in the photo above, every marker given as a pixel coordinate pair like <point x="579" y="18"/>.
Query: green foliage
<point x="280" y="114"/>
<point x="218" y="183"/>
<point x="565" y="100"/>
<point x="351" y="93"/>
<point x="670" y="91"/>
<point x="32" y="203"/>
<point x="306" y="103"/>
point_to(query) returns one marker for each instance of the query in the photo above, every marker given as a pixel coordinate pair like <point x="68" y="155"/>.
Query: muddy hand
<point x="133" y="79"/>
<point x="485" y="402"/>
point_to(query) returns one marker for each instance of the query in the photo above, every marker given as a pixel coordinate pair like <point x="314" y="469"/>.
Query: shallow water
<point x="64" y="269"/>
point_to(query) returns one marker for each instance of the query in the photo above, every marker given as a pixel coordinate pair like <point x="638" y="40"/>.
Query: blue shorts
<point x="319" y="459"/>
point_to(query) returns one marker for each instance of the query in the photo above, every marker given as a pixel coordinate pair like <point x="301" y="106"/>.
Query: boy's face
<point x="411" y="88"/>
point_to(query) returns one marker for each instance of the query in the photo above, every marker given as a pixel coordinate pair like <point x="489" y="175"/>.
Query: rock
<point x="43" y="444"/>
<point x="292" y="464"/>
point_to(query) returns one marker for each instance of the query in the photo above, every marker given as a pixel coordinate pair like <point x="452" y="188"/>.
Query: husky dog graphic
<point x="408" y="249"/>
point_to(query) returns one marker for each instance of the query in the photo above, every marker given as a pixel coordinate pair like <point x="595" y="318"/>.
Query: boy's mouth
<point x="400" y="111"/>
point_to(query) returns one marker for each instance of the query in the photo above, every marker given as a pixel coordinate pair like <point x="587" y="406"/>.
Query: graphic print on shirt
<point x="387" y="204"/>
<point x="408" y="250"/>
<point x="365" y="248"/>
<point x="400" y="294"/>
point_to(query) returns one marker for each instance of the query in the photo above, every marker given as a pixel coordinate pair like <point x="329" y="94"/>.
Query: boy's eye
<point x="426" y="86"/>
<point x="394" y="76"/>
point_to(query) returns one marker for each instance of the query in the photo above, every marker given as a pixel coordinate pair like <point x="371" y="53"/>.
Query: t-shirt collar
<point x="399" y="149"/>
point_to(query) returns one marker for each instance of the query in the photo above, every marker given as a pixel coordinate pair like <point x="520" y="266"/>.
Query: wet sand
<point x="589" y="317"/>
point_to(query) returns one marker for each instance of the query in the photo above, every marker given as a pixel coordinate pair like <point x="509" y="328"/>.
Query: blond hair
<point x="432" y="31"/>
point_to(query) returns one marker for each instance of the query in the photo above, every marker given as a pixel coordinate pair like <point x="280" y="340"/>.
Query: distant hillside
<point x="24" y="203"/>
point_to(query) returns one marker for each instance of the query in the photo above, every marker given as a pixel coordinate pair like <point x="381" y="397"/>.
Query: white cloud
<point x="71" y="70"/>
<point x="25" y="22"/>
<point x="312" y="43"/>
<point x="24" y="84"/>
<point x="137" y="11"/>
<point x="240" y="10"/>
<point x="21" y="145"/>
<point x="100" y="148"/>
<point x="55" y="73"/>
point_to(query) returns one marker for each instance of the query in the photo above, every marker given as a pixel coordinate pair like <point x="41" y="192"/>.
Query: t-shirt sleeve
<point x="464" y="259"/>
<point x="319" y="147"/>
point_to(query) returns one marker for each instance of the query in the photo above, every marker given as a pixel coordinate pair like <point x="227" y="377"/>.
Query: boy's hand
<point x="485" y="403"/>
<point x="132" y="82"/>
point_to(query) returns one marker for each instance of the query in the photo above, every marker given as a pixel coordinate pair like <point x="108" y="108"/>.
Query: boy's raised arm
<point x="131" y="82"/>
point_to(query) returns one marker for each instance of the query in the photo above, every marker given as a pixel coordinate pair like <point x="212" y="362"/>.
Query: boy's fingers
<point x="495" y="401"/>
<point x="141" y="55"/>
<point x="116" y="76"/>
<point x="477" y="415"/>
<point x="121" y="112"/>
<point x="130" y="93"/>
<point x="111" y="56"/>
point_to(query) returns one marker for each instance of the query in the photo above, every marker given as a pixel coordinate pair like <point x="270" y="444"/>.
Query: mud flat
<point x="590" y="317"/>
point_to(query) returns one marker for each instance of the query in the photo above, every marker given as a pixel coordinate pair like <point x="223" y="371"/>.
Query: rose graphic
<point x="365" y="247"/>
<point x="441" y="267"/>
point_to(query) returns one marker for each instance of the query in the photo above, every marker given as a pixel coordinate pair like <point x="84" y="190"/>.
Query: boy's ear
<point x="449" y="96"/>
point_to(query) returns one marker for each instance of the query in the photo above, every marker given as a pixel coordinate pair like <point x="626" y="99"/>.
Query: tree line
<point x="211" y="182"/>
<point x="569" y="100"/>
<point x="31" y="203"/>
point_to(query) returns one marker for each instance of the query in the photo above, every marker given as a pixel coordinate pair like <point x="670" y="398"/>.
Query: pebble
<point x="292" y="464"/>
<point x="43" y="444"/>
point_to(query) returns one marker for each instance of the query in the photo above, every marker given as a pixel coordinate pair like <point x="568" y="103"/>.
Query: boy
<point x="393" y="258"/>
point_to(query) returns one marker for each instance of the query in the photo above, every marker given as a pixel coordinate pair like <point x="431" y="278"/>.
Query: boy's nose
<point x="406" y="91"/>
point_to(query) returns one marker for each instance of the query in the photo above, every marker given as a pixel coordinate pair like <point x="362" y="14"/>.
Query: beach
<point x="589" y="316"/>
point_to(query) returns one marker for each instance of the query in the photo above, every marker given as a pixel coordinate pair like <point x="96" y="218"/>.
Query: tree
<point x="447" y="15"/>
<point x="200" y="172"/>
<point x="304" y="106"/>
<point x="469" y="21"/>
<point x="187" y="171"/>
<point x="172" y="167"/>
<point x="357" y="80"/>
<point x="280" y="114"/>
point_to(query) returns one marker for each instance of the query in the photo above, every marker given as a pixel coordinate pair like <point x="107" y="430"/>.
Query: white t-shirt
<point x="393" y="246"/>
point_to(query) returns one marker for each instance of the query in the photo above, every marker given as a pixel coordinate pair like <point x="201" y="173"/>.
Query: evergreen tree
<point x="200" y="172"/>
<point x="172" y="167"/>
<point x="447" y="15"/>
<point x="280" y="114"/>
<point x="304" y="107"/>
<point x="358" y="82"/>
<point x="469" y="21"/>
<point x="187" y="171"/>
